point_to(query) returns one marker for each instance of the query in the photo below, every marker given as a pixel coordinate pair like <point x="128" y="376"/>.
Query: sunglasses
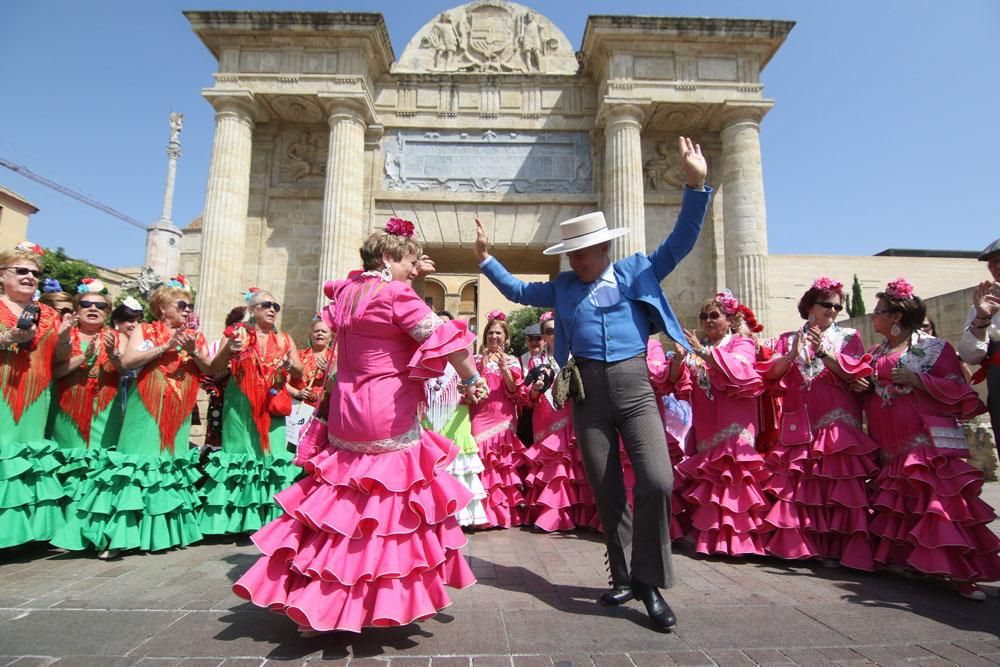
<point x="23" y="271"/>
<point x="881" y="312"/>
<point x="270" y="305"/>
<point x="714" y="315"/>
<point x="65" y="311"/>
<point x="184" y="305"/>
<point x="99" y="305"/>
<point x="826" y="304"/>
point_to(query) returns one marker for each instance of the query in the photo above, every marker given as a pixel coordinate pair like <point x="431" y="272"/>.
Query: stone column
<point x="225" y="217"/>
<point x="343" y="196"/>
<point x="743" y="211"/>
<point x="623" y="196"/>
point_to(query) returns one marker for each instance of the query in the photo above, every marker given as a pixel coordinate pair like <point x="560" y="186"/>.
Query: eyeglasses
<point x="826" y="304"/>
<point x="714" y="315"/>
<point x="549" y="332"/>
<point x="99" y="305"/>
<point x="23" y="271"/>
<point x="266" y="305"/>
<point x="184" y="305"/>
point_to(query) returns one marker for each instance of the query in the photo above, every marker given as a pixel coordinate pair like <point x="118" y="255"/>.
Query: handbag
<point x="796" y="428"/>
<point x="279" y="402"/>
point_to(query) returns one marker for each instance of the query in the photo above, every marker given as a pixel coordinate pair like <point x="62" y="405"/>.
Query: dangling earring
<point x="895" y="330"/>
<point x="386" y="274"/>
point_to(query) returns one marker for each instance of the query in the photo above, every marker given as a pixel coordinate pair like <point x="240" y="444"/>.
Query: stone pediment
<point x="489" y="36"/>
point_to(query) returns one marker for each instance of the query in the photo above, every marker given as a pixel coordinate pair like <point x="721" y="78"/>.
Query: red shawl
<point x="95" y="379"/>
<point x="168" y="385"/>
<point x="256" y="373"/>
<point x="25" y="373"/>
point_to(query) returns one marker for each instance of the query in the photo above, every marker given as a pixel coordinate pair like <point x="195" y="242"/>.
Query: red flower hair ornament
<point x="399" y="227"/>
<point x="496" y="314"/>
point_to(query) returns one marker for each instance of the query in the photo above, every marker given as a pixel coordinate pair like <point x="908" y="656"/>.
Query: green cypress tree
<point x="857" y="308"/>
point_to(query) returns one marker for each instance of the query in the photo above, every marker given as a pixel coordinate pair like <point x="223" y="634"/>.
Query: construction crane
<point x="27" y="173"/>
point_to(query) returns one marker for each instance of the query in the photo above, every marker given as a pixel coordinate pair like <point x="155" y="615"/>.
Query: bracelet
<point x="821" y="354"/>
<point x="470" y="381"/>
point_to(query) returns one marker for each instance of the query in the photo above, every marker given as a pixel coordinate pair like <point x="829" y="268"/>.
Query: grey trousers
<point x="620" y="400"/>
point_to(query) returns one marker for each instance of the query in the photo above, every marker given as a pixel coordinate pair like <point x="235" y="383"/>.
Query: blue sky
<point x="884" y="132"/>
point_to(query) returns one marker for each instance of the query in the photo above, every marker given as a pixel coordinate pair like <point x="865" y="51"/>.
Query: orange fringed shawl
<point x="25" y="373"/>
<point x="78" y="390"/>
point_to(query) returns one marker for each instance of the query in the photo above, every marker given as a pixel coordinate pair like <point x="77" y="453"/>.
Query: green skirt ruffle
<point x="134" y="501"/>
<point x="239" y="489"/>
<point x="74" y="466"/>
<point x="32" y="500"/>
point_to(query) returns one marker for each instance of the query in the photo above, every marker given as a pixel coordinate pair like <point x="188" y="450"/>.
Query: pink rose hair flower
<point x="827" y="284"/>
<point x="546" y="316"/>
<point x="900" y="288"/>
<point x="729" y="303"/>
<point x="399" y="227"/>
<point x="496" y="314"/>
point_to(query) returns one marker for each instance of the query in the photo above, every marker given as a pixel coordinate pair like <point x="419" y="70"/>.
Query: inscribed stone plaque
<point x="487" y="161"/>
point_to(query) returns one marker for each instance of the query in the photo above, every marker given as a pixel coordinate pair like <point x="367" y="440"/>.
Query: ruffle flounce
<point x="467" y="468"/>
<point x="431" y="357"/>
<point x="238" y="491"/>
<point x="368" y="548"/>
<point x="134" y="501"/>
<point x="558" y="496"/>
<point x="820" y="498"/>
<point x="928" y="516"/>
<point x="504" y="502"/>
<point x="722" y="490"/>
<point x="32" y="500"/>
<point x="74" y="466"/>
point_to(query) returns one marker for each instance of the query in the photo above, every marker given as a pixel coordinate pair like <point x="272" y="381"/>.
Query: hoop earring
<point x="895" y="330"/>
<point x="386" y="274"/>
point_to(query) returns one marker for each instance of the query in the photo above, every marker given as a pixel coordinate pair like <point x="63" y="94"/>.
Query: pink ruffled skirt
<point x="928" y="516"/>
<point x="559" y="497"/>
<point x="721" y="489"/>
<point x="501" y="452"/>
<point x="366" y="540"/>
<point x="820" y="497"/>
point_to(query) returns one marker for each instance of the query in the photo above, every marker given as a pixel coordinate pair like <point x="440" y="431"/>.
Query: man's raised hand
<point x="693" y="162"/>
<point x="482" y="243"/>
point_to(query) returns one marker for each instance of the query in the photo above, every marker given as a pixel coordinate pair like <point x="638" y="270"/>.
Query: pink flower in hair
<point x="827" y="284"/>
<point x="727" y="302"/>
<point x="546" y="316"/>
<point x="399" y="227"/>
<point x="496" y="314"/>
<point x="899" y="288"/>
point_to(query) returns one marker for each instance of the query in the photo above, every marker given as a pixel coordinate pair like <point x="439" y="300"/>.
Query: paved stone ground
<point x="533" y="606"/>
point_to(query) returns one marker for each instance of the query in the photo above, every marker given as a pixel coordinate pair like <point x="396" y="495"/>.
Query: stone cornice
<point x="218" y="29"/>
<point x="240" y="100"/>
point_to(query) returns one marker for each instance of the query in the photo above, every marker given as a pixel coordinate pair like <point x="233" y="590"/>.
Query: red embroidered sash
<point x="88" y="390"/>
<point x="25" y="373"/>
<point x="168" y="385"/>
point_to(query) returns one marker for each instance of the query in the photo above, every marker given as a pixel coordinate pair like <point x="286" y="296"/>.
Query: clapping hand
<point x="322" y="363"/>
<point x="905" y="377"/>
<point x="986" y="299"/>
<point x="695" y="166"/>
<point x="110" y="340"/>
<point x="424" y="266"/>
<point x="815" y="339"/>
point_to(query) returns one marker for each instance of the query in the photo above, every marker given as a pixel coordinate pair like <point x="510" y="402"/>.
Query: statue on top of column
<point x="176" y="125"/>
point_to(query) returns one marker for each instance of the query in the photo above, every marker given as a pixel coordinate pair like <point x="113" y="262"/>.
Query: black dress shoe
<point x="616" y="596"/>
<point x="659" y="611"/>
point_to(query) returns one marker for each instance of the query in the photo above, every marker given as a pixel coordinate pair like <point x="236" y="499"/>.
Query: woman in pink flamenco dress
<point x="494" y="426"/>
<point x="823" y="460"/>
<point x="927" y="513"/>
<point x="369" y="537"/>
<point x="676" y="415"/>
<point x="721" y="481"/>
<point x="559" y="497"/>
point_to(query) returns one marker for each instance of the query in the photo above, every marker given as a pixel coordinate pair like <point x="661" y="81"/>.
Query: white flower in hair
<point x="130" y="303"/>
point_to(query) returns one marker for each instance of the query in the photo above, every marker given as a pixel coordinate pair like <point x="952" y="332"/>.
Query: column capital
<point x="240" y="103"/>
<point x="354" y="105"/>
<point x="617" y="113"/>
<point x="744" y="112"/>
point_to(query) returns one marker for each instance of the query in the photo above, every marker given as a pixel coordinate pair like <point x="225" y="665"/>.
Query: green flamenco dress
<point x="254" y="463"/>
<point x="85" y="418"/>
<point x="32" y="500"/>
<point x="142" y="495"/>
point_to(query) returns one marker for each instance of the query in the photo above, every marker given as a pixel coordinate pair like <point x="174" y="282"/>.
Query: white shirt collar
<point x="608" y="275"/>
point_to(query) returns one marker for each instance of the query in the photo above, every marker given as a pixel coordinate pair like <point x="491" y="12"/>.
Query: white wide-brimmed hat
<point x="583" y="232"/>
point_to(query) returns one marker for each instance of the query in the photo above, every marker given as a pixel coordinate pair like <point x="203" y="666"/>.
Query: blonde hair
<point x="163" y="296"/>
<point x="381" y="242"/>
<point x="54" y="298"/>
<point x="8" y="257"/>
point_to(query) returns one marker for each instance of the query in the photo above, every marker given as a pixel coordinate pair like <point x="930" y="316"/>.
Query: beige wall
<point x="791" y="275"/>
<point x="14" y="214"/>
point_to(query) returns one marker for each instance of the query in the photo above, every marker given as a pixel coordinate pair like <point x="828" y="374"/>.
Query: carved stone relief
<point x="489" y="36"/>
<point x="301" y="156"/>
<point x="487" y="161"/>
<point x="663" y="171"/>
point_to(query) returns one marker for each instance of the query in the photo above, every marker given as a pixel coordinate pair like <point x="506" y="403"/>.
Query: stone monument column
<point x="343" y="196"/>
<point x="623" y="196"/>
<point x="163" y="238"/>
<point x="224" y="222"/>
<point x="743" y="211"/>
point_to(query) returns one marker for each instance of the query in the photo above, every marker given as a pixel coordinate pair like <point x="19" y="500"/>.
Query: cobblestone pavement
<point x="533" y="606"/>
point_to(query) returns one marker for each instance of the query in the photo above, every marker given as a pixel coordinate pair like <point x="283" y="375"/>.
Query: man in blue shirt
<point x="604" y="315"/>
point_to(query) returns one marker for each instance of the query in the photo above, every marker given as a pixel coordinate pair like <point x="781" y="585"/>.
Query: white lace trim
<point x="743" y="432"/>
<point x="493" y="431"/>
<point x="425" y="327"/>
<point x="838" y="415"/>
<point x="555" y="426"/>
<point x="393" y="444"/>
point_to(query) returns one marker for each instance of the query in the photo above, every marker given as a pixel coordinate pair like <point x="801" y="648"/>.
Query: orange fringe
<point x="168" y="385"/>
<point x="25" y="373"/>
<point x="255" y="374"/>
<point x="313" y="377"/>
<point x="81" y="396"/>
